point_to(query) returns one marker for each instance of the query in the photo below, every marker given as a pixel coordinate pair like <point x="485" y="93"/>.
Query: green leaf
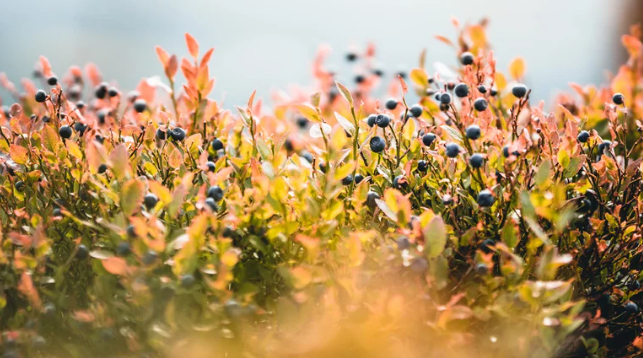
<point x="435" y="237"/>
<point x="345" y="123"/>
<point x="509" y="234"/>
<point x="132" y="196"/>
<point x="543" y="173"/>
<point x="309" y="112"/>
<point x="574" y="166"/>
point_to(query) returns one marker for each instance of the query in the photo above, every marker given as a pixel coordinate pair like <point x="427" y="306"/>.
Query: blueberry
<point x="618" y="99"/>
<point x="102" y="114"/>
<point x="476" y="160"/>
<point x="402" y="74"/>
<point x="416" y="110"/>
<point x="322" y="167"/>
<point x="101" y="90"/>
<point x="452" y="150"/>
<point x="132" y="96"/>
<point x="131" y="231"/>
<point x="603" y="146"/>
<point x="302" y="122"/>
<point x="38" y="342"/>
<point x="482" y="89"/>
<point x="482" y="269"/>
<point x="378" y="72"/>
<point x="187" y="281"/>
<point x="140" y="105"/>
<point x="123" y="249"/>
<point x="5" y="111"/>
<point x="52" y="81"/>
<point x="487" y="246"/>
<point x="112" y="92"/>
<point x="216" y="144"/>
<point x="150" y="257"/>
<point x="65" y="132"/>
<point x="160" y="134"/>
<point x="351" y="56"/>
<point x="211" y="166"/>
<point x="461" y="90"/>
<point x="391" y="104"/>
<point x="494" y="92"/>
<point x="80" y="104"/>
<point x="486" y="198"/>
<point x="382" y="120"/>
<point x="45" y="119"/>
<point x="480" y="104"/>
<point x="56" y="213"/>
<point x="631" y="307"/>
<point x="80" y="128"/>
<point x="41" y="96"/>
<point x="358" y="178"/>
<point x="467" y="58"/>
<point x="437" y="96"/>
<point x="419" y="265"/>
<point x="178" y="134"/>
<point x="519" y="90"/>
<point x="428" y="138"/>
<point x="215" y="192"/>
<point x="423" y="165"/>
<point x="211" y="204"/>
<point x="371" y="120"/>
<point x="403" y="243"/>
<point x="150" y="201"/>
<point x="450" y="86"/>
<point x="447" y="199"/>
<point x="400" y="182"/>
<point x="82" y="253"/>
<point x="347" y="180"/>
<point x="445" y="98"/>
<point x="360" y="79"/>
<point x="473" y="131"/>
<point x="505" y="151"/>
<point x="583" y="136"/>
<point x="306" y="155"/>
<point x="102" y="168"/>
<point x="377" y="144"/>
<point x="370" y="199"/>
<point x="20" y="186"/>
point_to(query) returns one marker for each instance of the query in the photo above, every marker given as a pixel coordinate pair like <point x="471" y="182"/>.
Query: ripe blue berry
<point x="112" y="92"/>
<point x="583" y="136"/>
<point x="82" y="252"/>
<point x="428" y="138"/>
<point x="370" y="199"/>
<point x="140" y="105"/>
<point x="41" y="96"/>
<point x="187" y="281"/>
<point x="473" y="131"/>
<point x="131" y="231"/>
<point x="403" y="243"/>
<point x="487" y="246"/>
<point x="467" y="58"/>
<point x="65" y="132"/>
<point x="211" y="167"/>
<point x="494" y="92"/>
<point x="215" y="192"/>
<point x="416" y="110"/>
<point x="482" y="89"/>
<point x="452" y="150"/>
<point x="102" y="168"/>
<point x="216" y="144"/>
<point x="302" y="122"/>
<point x="347" y="180"/>
<point x="391" y="104"/>
<point x="360" y="79"/>
<point x="101" y="90"/>
<point x="160" y="134"/>
<point x="150" y="201"/>
<point x="423" y="165"/>
<point x="461" y="90"/>
<point x="150" y="257"/>
<point x="519" y="90"/>
<point x="178" y="134"/>
<point x="358" y="178"/>
<point x="445" y="98"/>
<point x="631" y="307"/>
<point x="52" y="81"/>
<point x="447" y="199"/>
<point x="378" y="144"/>
<point x="482" y="269"/>
<point x="211" y="204"/>
<point x="399" y="182"/>
<point x="351" y="56"/>
<point x="80" y="128"/>
<point x="371" y="120"/>
<point x="123" y="249"/>
<point x="480" y="104"/>
<point x="476" y="160"/>
<point x="486" y="198"/>
<point x="618" y="99"/>
<point x="382" y="120"/>
<point x="505" y="151"/>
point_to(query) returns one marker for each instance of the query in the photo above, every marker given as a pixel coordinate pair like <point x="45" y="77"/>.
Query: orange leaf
<point x="193" y="46"/>
<point x="163" y="56"/>
<point x="405" y="88"/>
<point x="115" y="265"/>
<point x="206" y="57"/>
<point x="172" y="67"/>
<point x="19" y="154"/>
<point x="444" y="39"/>
<point x="27" y="288"/>
<point x="96" y="155"/>
<point x="46" y="67"/>
<point x="632" y="44"/>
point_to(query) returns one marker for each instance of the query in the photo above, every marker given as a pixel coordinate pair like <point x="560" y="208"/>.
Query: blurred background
<point x="269" y="44"/>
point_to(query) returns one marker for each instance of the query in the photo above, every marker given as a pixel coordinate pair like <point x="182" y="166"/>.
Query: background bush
<point x="470" y="223"/>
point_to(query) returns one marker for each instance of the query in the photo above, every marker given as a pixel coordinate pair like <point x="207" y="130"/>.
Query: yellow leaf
<point x="500" y="81"/>
<point x="74" y="149"/>
<point x="309" y="112"/>
<point x="132" y="196"/>
<point x="345" y="93"/>
<point x="96" y="155"/>
<point x="175" y="158"/>
<point x="517" y="68"/>
<point x="478" y="36"/>
<point x="419" y="77"/>
<point x="50" y="138"/>
<point x="19" y="154"/>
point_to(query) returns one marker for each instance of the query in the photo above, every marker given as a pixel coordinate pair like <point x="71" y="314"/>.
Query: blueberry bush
<point x="415" y="214"/>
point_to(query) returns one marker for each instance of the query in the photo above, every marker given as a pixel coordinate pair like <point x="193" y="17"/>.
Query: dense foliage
<point x="469" y="223"/>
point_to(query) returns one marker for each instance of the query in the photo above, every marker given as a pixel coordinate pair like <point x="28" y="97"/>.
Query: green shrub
<point x="471" y="223"/>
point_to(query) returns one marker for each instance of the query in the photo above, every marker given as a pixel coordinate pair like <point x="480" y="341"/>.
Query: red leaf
<point x="405" y="88"/>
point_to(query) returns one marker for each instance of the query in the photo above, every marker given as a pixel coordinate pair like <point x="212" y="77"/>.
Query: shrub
<point x="160" y="224"/>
